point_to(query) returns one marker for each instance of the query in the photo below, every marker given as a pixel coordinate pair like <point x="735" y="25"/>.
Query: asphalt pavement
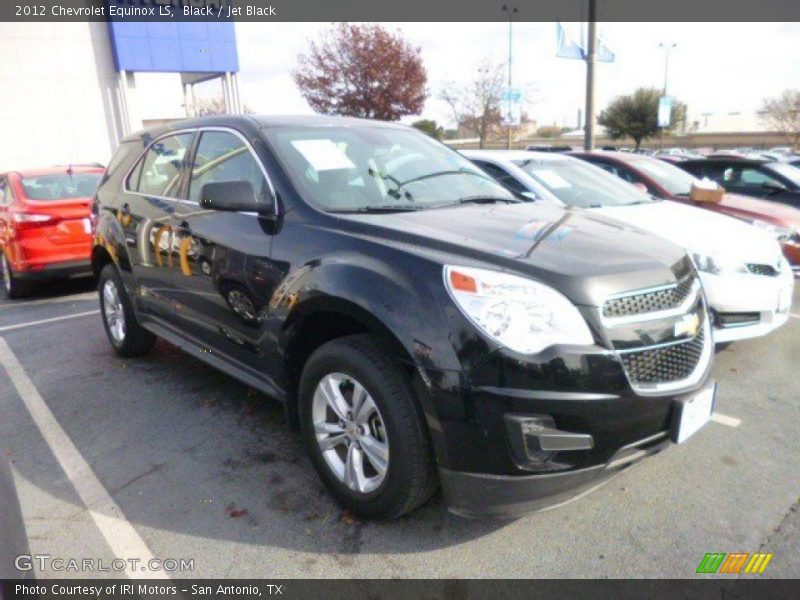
<point x="163" y="456"/>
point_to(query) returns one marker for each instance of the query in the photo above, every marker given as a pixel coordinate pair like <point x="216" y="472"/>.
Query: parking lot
<point x="183" y="462"/>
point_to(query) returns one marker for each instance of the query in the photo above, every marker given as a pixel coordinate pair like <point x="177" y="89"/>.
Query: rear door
<point x="222" y="274"/>
<point x="145" y="209"/>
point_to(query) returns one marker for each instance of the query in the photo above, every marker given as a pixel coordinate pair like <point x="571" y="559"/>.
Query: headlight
<point x="780" y="233"/>
<point x="717" y="264"/>
<point x="521" y="314"/>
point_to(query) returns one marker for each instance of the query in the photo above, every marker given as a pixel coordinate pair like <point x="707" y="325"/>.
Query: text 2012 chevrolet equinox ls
<point x="420" y="324"/>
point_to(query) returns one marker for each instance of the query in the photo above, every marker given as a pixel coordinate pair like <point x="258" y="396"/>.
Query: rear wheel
<point x="12" y="287"/>
<point x="124" y="332"/>
<point x="364" y="430"/>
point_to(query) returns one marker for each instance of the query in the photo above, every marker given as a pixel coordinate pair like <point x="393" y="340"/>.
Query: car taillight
<point x="23" y="220"/>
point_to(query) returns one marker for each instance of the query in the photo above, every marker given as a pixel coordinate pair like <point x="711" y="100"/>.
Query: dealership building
<point x="71" y="91"/>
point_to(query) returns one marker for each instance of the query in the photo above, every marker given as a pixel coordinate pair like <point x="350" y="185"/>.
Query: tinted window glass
<point x="224" y="156"/>
<point x="357" y="168"/>
<point x="158" y="174"/>
<point x="61" y="187"/>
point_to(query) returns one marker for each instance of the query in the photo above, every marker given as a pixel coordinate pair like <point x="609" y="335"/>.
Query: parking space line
<point x="43" y="321"/>
<point x="119" y="534"/>
<point x="59" y="299"/>
<point x="725" y="420"/>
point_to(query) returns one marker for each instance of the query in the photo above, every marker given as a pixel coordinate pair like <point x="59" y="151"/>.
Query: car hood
<point x="772" y="211"/>
<point x="699" y="230"/>
<point x="585" y="256"/>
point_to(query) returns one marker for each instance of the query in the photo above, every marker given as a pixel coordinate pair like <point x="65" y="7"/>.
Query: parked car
<point x="672" y="183"/>
<point x="421" y="321"/>
<point x="45" y="227"/>
<point x="747" y="281"/>
<point x="549" y="148"/>
<point x="766" y="179"/>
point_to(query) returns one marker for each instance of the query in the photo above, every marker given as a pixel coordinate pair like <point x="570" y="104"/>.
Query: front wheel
<point x="124" y="332"/>
<point x="364" y="430"/>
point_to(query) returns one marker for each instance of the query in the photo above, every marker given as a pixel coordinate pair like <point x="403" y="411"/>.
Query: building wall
<point x="58" y="94"/>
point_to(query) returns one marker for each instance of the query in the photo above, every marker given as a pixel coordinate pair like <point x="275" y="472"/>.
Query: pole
<point x="591" y="60"/>
<point x="667" y="48"/>
<point x="511" y="10"/>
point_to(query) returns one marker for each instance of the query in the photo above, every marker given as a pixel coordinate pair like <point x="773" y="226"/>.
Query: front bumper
<point x="479" y="495"/>
<point x="747" y="306"/>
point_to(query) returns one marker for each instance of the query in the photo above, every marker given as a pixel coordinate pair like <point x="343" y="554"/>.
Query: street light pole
<point x="591" y="61"/>
<point x="667" y="48"/>
<point x="511" y="10"/>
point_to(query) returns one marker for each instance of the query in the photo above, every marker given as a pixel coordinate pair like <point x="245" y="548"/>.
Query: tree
<point x="476" y="105"/>
<point x="636" y="115"/>
<point x="432" y="128"/>
<point x="362" y="70"/>
<point x="783" y="114"/>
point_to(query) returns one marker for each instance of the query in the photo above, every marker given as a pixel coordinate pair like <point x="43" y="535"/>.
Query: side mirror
<point x="531" y="196"/>
<point x="234" y="196"/>
<point x="641" y="187"/>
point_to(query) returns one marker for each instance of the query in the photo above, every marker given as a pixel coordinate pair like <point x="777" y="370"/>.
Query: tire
<point x="396" y="429"/>
<point x="13" y="288"/>
<point x="721" y="346"/>
<point x="127" y="337"/>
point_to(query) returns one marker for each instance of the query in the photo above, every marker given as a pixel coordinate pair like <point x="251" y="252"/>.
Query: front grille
<point x="767" y="270"/>
<point x="646" y="302"/>
<point x="664" y="365"/>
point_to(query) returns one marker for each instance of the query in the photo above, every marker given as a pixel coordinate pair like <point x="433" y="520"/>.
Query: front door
<point x="223" y="278"/>
<point x="145" y="213"/>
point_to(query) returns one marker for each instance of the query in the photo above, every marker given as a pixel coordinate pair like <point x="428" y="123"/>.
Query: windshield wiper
<point x="381" y="208"/>
<point x="486" y="200"/>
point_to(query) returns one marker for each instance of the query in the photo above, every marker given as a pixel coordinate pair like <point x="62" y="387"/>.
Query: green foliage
<point x="636" y="115"/>
<point x="430" y="127"/>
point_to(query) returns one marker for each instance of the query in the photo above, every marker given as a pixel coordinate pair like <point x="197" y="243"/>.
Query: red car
<point x="665" y="180"/>
<point x="45" y="225"/>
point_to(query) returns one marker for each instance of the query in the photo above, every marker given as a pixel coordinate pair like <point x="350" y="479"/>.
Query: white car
<point x="748" y="283"/>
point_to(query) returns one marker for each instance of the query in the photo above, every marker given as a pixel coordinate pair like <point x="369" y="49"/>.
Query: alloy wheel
<point x="350" y="432"/>
<point x="113" y="311"/>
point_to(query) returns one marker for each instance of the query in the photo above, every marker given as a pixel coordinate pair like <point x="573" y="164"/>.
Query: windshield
<point x="788" y="171"/>
<point x="673" y="179"/>
<point x="582" y="185"/>
<point x="61" y="187"/>
<point x="363" y="168"/>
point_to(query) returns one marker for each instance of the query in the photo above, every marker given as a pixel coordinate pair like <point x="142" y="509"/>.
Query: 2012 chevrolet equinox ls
<point x="420" y="324"/>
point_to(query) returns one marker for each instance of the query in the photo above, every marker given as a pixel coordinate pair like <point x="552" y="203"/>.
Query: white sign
<point x="664" y="111"/>
<point x="323" y="155"/>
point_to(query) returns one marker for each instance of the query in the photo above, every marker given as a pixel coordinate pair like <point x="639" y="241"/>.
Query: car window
<point x="748" y="177"/>
<point x="787" y="170"/>
<point x="62" y="186"/>
<point x="580" y="184"/>
<point x="223" y="156"/>
<point x="158" y="173"/>
<point x="673" y="179"/>
<point x="370" y="167"/>
<point x="503" y="176"/>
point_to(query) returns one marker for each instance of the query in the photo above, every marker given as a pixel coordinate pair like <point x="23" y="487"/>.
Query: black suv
<point x="420" y="324"/>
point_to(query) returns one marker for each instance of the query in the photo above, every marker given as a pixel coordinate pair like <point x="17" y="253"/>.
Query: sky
<point x="717" y="68"/>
